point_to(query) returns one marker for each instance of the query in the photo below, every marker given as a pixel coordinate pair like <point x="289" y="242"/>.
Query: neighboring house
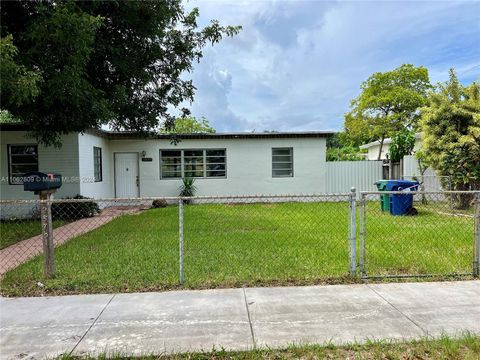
<point x="374" y="147"/>
<point x="107" y="164"/>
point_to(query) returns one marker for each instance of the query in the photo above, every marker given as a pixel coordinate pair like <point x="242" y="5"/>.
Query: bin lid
<point x="381" y="184"/>
<point x="395" y="184"/>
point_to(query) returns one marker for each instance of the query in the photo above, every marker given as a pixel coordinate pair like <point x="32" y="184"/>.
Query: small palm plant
<point x="188" y="188"/>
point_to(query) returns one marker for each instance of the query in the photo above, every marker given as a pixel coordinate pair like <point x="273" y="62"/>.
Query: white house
<point x="374" y="147"/>
<point x="106" y="164"/>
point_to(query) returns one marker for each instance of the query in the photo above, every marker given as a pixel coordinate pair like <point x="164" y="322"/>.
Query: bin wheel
<point x="412" y="212"/>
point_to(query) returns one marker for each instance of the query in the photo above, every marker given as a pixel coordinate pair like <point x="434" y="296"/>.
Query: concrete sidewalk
<point x="236" y="319"/>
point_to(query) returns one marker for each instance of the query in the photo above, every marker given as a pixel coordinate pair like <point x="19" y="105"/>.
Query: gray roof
<point x="151" y="135"/>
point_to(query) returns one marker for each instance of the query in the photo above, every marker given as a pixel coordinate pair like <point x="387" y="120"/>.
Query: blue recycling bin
<point x="401" y="204"/>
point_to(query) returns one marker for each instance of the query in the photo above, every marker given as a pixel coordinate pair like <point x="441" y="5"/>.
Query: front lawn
<point x="15" y="231"/>
<point x="254" y="244"/>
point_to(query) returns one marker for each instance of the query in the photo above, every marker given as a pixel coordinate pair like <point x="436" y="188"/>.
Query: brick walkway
<point x="20" y="252"/>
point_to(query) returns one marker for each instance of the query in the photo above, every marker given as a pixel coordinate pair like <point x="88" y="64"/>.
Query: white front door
<point x="126" y="175"/>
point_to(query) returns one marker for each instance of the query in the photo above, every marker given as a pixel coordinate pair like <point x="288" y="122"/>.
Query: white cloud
<point x="297" y="64"/>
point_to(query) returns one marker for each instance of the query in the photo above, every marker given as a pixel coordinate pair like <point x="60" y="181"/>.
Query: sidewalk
<point x="236" y="319"/>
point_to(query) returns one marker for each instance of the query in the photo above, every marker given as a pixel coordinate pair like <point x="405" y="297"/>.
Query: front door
<point x="126" y="175"/>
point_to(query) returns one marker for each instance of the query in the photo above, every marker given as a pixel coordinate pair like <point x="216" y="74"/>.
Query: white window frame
<point x="101" y="164"/>
<point x="288" y="162"/>
<point x="204" y="163"/>
<point x="9" y="154"/>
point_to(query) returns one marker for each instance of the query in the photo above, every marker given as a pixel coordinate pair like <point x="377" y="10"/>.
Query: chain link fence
<point x="86" y="245"/>
<point x="438" y="234"/>
<point x="157" y="243"/>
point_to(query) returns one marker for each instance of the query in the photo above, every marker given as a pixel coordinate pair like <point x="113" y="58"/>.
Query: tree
<point x="402" y="144"/>
<point x="451" y="133"/>
<point x="7" y="118"/>
<point x="389" y="102"/>
<point x="121" y="63"/>
<point x="189" y="125"/>
<point x="341" y="148"/>
<point x="18" y="84"/>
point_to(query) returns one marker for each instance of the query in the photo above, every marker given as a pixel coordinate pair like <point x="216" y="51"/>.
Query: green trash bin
<point x="384" y="199"/>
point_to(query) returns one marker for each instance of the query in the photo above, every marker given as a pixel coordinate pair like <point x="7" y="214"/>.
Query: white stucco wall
<point x="62" y="160"/>
<point x="249" y="166"/>
<point x="88" y="187"/>
<point x="374" y="148"/>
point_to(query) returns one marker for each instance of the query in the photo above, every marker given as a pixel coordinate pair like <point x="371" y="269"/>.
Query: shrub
<point x="74" y="210"/>
<point x="159" y="203"/>
<point x="188" y="188"/>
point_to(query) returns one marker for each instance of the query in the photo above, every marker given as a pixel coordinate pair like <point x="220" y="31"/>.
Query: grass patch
<point x="246" y="245"/>
<point x="13" y="232"/>
<point x="466" y="347"/>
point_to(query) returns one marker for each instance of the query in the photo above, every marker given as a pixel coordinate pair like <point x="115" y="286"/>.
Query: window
<point x="282" y="162"/>
<point x="21" y="159"/>
<point x="171" y="164"/>
<point x="195" y="163"/>
<point x="97" y="163"/>
<point x="215" y="160"/>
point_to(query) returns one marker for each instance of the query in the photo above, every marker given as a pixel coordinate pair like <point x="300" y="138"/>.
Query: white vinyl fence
<point x="362" y="175"/>
<point x="429" y="180"/>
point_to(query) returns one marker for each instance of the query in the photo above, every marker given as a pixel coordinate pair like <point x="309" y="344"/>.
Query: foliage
<point x="19" y="85"/>
<point x="389" y="102"/>
<point x="120" y="63"/>
<point x="7" y="118"/>
<point x="402" y="144"/>
<point x="74" y="210"/>
<point x="341" y="148"/>
<point x="159" y="203"/>
<point x="188" y="188"/>
<point x="451" y="133"/>
<point x="189" y="125"/>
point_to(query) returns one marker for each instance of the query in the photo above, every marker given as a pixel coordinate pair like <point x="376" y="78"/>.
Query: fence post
<point x="47" y="234"/>
<point x="363" y="220"/>
<point x="476" y="262"/>
<point x="352" y="235"/>
<point x="180" y="237"/>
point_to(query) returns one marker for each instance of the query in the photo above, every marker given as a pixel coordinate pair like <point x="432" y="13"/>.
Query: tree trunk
<point x="381" y="147"/>
<point x="463" y="201"/>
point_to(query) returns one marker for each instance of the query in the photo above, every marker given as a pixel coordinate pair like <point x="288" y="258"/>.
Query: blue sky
<point x="297" y="64"/>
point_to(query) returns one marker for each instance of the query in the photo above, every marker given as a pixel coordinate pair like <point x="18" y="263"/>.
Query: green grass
<point x="246" y="245"/>
<point x="435" y="241"/>
<point x="18" y="230"/>
<point x="466" y="347"/>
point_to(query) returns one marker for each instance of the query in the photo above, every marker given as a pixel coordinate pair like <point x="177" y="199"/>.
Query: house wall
<point x="88" y="186"/>
<point x="62" y="160"/>
<point x="373" y="149"/>
<point x="249" y="166"/>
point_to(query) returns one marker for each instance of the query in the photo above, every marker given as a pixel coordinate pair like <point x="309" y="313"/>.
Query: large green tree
<point x="189" y="125"/>
<point x="388" y="103"/>
<point x="340" y="147"/>
<point x="121" y="63"/>
<point x="451" y="134"/>
<point x="18" y="84"/>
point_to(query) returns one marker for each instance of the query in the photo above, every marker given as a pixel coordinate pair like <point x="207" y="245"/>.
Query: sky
<point x="296" y="65"/>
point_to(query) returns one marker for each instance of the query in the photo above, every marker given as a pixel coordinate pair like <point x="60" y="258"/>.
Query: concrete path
<point x="236" y="319"/>
<point x="22" y="251"/>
